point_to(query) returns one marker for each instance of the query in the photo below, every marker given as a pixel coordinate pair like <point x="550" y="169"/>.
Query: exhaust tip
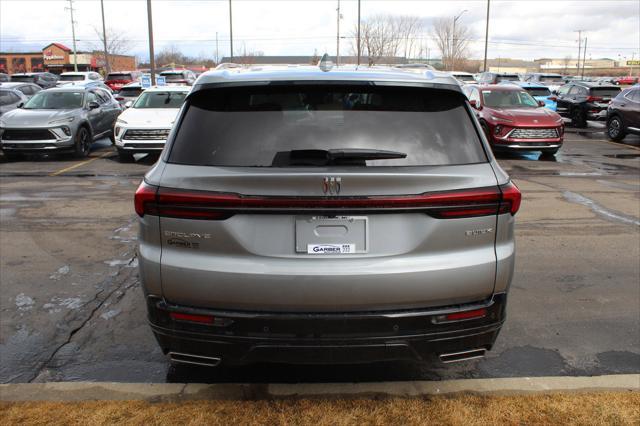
<point x="183" y="358"/>
<point x="462" y="356"/>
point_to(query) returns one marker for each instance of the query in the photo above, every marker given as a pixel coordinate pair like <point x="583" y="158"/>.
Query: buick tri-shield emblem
<point x="331" y="185"/>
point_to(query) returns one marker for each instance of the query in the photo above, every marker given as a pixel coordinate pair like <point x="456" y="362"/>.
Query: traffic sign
<point x="637" y="62"/>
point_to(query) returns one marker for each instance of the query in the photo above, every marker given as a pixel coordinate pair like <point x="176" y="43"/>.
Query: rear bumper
<point x="336" y="338"/>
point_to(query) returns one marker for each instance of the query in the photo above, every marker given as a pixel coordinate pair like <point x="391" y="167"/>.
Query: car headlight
<point x="121" y="121"/>
<point x="62" y="120"/>
<point x="496" y="118"/>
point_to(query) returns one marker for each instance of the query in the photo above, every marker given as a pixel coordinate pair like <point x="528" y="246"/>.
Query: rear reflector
<point x="461" y="316"/>
<point x="203" y="319"/>
<point x="168" y="202"/>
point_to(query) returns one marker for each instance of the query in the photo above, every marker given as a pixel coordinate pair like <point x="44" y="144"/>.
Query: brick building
<point x="58" y="58"/>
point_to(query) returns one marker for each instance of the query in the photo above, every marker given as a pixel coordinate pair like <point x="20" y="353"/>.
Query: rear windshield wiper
<point x="328" y="157"/>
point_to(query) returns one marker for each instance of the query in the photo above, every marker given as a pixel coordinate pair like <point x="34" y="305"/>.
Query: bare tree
<point x="453" y="46"/>
<point x="118" y="43"/>
<point x="171" y="55"/>
<point x="387" y="36"/>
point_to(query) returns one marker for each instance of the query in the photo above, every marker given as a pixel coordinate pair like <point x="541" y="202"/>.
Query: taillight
<point x="552" y="98"/>
<point x="145" y="197"/>
<point x="593" y="98"/>
<point x="168" y="202"/>
<point x="511" y="198"/>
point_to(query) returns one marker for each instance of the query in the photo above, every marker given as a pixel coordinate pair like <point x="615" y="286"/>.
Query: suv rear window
<point x="172" y="76"/>
<point x="261" y="126"/>
<point x="605" y="92"/>
<point x="130" y="91"/>
<point x="23" y="78"/>
<point x="507" y="77"/>
<point x="539" y="91"/>
<point x="119" y="76"/>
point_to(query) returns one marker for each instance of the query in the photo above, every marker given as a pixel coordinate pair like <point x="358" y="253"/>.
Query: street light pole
<point x="453" y="39"/>
<point x="152" y="59"/>
<point x="338" y="36"/>
<point x="486" y="39"/>
<point x="104" y="40"/>
<point x="73" y="34"/>
<point x="358" y="38"/>
<point x="584" y="56"/>
<point x="579" y="47"/>
<point x="230" y="33"/>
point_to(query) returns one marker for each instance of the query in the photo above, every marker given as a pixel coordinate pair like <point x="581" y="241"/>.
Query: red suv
<point x="513" y="120"/>
<point x="115" y="80"/>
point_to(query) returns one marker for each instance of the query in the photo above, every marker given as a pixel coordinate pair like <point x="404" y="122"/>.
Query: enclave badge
<point x="331" y="185"/>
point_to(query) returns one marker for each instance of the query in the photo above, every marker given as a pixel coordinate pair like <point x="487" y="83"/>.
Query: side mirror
<point x="553" y="98"/>
<point x="541" y="103"/>
<point x="128" y="104"/>
<point x="475" y="105"/>
<point x="20" y="105"/>
<point x="94" y="105"/>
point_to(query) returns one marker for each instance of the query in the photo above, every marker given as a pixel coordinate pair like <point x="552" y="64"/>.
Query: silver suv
<point x="347" y="216"/>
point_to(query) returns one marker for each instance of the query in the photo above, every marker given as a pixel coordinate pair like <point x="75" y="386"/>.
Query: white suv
<point x="144" y="127"/>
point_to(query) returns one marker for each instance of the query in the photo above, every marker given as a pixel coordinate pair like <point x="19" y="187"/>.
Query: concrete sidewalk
<point x="83" y="391"/>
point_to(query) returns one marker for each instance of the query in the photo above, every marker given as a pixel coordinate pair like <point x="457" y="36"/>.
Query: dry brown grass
<point x="606" y="408"/>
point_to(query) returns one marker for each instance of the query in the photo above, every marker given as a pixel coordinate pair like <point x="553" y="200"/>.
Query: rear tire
<point x="125" y="157"/>
<point x="615" y="129"/>
<point x="83" y="143"/>
<point x="578" y="118"/>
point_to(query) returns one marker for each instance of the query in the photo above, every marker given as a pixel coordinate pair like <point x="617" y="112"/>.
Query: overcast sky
<point x="518" y="28"/>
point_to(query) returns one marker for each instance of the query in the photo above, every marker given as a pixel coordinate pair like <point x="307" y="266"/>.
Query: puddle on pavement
<point x="573" y="197"/>
<point x="623" y="156"/>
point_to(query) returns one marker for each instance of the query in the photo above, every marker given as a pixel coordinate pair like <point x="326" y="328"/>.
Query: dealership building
<point x="58" y="58"/>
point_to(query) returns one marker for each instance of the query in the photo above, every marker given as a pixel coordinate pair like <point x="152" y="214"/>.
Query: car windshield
<point x="119" y="76"/>
<point x="55" y="100"/>
<point x="160" y="100"/>
<point x="508" y="99"/>
<point x="538" y="91"/>
<point x="464" y="77"/>
<point x="285" y="126"/>
<point x="7" y="97"/>
<point x="71" y="77"/>
<point x="173" y="76"/>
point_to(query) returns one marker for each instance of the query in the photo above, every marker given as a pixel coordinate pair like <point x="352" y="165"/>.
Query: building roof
<point x="59" y="46"/>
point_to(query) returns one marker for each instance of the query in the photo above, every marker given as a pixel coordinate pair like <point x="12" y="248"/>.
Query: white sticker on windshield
<point x="331" y="248"/>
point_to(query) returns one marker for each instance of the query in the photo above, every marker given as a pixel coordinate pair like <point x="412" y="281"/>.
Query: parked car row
<point x="71" y="117"/>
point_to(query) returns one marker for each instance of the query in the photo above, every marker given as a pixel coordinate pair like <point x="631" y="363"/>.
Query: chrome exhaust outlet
<point x="462" y="356"/>
<point x="207" y="361"/>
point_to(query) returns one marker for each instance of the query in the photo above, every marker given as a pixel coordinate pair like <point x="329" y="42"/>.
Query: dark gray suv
<point x="65" y="119"/>
<point x="347" y="216"/>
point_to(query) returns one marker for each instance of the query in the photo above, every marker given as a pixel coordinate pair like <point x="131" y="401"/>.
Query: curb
<point x="175" y="392"/>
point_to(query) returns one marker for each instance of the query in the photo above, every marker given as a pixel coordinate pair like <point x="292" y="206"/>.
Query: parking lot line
<point x="66" y="169"/>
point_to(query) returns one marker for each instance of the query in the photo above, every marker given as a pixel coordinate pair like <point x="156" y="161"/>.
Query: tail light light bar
<point x="168" y="202"/>
<point x="593" y="98"/>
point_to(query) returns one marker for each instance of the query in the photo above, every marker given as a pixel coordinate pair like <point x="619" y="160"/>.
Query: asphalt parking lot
<point x="71" y="307"/>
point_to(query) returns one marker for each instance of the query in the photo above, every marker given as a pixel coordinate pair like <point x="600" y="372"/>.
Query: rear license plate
<point x="321" y="235"/>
